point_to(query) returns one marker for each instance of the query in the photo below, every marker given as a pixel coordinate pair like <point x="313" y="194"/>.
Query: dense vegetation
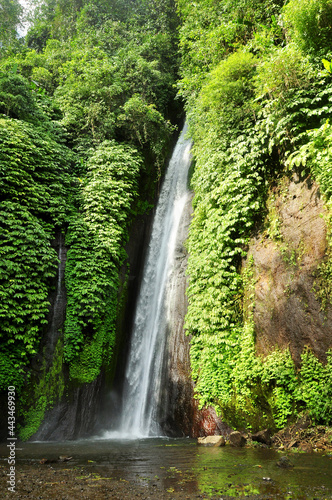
<point x="257" y="81"/>
<point x="88" y="103"/>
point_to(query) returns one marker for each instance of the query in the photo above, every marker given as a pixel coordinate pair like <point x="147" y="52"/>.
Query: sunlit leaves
<point x="35" y="199"/>
<point x="228" y="197"/>
<point x="309" y="23"/>
<point x="96" y="237"/>
<point x="35" y="170"/>
<point x="247" y="114"/>
<point x="27" y="265"/>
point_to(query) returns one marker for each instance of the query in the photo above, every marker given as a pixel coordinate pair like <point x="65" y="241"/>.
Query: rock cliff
<point x="287" y="258"/>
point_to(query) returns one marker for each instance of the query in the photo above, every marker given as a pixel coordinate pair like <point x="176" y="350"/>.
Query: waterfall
<point x="143" y="375"/>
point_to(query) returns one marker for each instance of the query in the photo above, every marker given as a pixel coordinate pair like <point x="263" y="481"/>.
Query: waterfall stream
<point x="143" y="375"/>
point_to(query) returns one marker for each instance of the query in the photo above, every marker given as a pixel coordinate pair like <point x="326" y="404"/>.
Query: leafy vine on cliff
<point x="95" y="239"/>
<point x="251" y="104"/>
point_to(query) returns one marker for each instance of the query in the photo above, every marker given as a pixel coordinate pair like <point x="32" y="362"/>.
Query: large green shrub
<point x="16" y="99"/>
<point x="309" y="23"/>
<point x="283" y="69"/>
<point x="225" y="100"/>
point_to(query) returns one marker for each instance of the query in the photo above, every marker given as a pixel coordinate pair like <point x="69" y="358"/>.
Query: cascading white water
<point x="142" y="386"/>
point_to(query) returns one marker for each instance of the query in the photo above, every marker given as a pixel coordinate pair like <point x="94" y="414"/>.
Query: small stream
<point x="181" y="465"/>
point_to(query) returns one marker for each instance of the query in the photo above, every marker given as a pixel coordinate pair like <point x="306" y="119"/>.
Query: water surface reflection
<point x="181" y="465"/>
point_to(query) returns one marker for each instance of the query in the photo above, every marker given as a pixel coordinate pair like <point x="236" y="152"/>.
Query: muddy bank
<point x="301" y="436"/>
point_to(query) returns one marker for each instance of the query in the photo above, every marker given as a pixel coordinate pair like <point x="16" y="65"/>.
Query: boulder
<point x="237" y="439"/>
<point x="211" y="441"/>
<point x="263" y="437"/>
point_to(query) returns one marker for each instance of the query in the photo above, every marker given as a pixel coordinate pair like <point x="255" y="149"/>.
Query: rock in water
<point x="285" y="463"/>
<point x="263" y="437"/>
<point x="211" y="441"/>
<point x="236" y="439"/>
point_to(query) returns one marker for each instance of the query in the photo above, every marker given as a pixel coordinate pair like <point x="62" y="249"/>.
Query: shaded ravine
<point x="142" y="388"/>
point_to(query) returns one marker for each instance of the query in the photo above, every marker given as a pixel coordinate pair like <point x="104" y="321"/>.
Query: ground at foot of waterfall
<point x="60" y="482"/>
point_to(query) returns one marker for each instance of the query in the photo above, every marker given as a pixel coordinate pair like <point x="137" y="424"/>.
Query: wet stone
<point x="237" y="439"/>
<point x="285" y="463"/>
<point x="263" y="437"/>
<point x="211" y="441"/>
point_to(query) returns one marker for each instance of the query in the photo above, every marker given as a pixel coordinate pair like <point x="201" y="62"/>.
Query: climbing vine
<point x="96" y="238"/>
<point x="250" y="116"/>
<point x="35" y="189"/>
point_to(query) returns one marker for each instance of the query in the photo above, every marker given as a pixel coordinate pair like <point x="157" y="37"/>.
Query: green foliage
<point x="35" y="172"/>
<point x="11" y="368"/>
<point x="279" y="380"/>
<point x="201" y="47"/>
<point x="316" y="387"/>
<point x="43" y="393"/>
<point x="88" y="95"/>
<point x="327" y="65"/>
<point x="309" y="23"/>
<point x="226" y="97"/>
<point x="16" y="100"/>
<point x="24" y="100"/>
<point x="96" y="239"/>
<point x="285" y="68"/>
<point x="101" y="72"/>
<point x="247" y="115"/>
<point x="317" y="153"/>
<point x="27" y="265"/>
<point x="99" y="94"/>
<point x="11" y="12"/>
<point x="228" y="197"/>
<point x="35" y="190"/>
<point x="211" y="29"/>
<point x="143" y="124"/>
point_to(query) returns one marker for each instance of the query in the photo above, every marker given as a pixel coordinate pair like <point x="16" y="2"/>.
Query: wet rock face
<point x="179" y="415"/>
<point x="287" y="310"/>
<point x="178" y="404"/>
<point x="207" y="423"/>
<point x="72" y="418"/>
<point x="81" y="411"/>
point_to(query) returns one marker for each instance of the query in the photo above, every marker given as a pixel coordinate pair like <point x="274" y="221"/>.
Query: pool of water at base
<point x="181" y="465"/>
